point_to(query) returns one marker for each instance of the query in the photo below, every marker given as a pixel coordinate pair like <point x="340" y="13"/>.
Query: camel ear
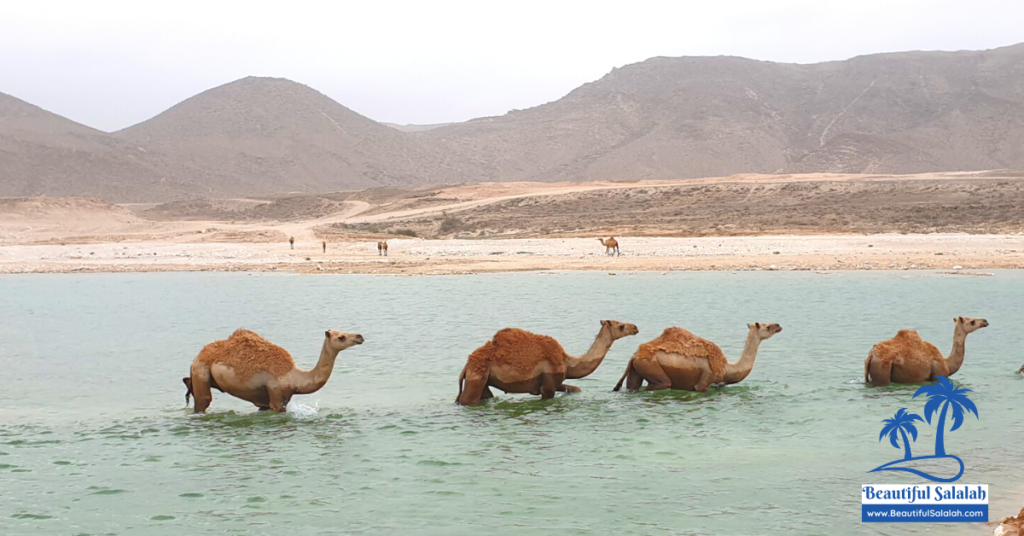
<point x="959" y="319"/>
<point x="606" y="322"/>
<point x="757" y="325"/>
<point x="750" y="326"/>
<point x="327" y="334"/>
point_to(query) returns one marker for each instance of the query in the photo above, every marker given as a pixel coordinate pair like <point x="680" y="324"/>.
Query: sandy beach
<point x="753" y="222"/>
<point x="953" y="252"/>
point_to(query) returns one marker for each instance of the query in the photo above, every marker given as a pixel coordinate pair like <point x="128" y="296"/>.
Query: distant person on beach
<point x="325" y="246"/>
<point x="291" y="242"/>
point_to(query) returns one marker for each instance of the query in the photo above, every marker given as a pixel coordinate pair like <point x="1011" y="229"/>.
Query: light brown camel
<point x="611" y="246"/>
<point x="517" y="361"/>
<point x="252" y="368"/>
<point x="1011" y="526"/>
<point x="382" y="248"/>
<point x="906" y="358"/>
<point x="291" y="242"/>
<point x="681" y="360"/>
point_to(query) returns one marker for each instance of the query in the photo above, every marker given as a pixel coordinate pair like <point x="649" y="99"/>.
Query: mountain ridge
<point x="662" y="118"/>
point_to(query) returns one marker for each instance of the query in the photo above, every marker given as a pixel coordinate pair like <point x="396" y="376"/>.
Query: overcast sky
<point x="110" y="64"/>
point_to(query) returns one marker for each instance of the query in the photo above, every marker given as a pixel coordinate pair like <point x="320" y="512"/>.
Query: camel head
<point x="764" y="331"/>
<point x="970" y="325"/>
<point x="338" y="341"/>
<point x="620" y="329"/>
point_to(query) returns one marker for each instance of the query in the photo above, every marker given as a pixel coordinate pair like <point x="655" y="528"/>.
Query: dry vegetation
<point x="970" y="205"/>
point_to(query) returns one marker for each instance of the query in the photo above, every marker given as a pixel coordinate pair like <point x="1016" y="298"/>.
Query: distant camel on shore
<point x="611" y="246"/>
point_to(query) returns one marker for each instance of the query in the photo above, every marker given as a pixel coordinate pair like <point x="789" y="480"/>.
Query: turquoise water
<point x="94" y="437"/>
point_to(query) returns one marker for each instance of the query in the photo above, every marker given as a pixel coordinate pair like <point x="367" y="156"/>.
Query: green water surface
<point x="95" y="439"/>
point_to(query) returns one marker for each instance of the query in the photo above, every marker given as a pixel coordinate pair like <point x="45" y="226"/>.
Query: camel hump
<point x="244" y="333"/>
<point x="510" y="336"/>
<point x="523" y="349"/>
<point x="908" y="334"/>
<point x="679" y="341"/>
<point x="248" y="354"/>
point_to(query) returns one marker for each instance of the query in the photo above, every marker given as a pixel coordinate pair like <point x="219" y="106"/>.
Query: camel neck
<point x="586" y="364"/>
<point x="956" y="355"/>
<point x="736" y="372"/>
<point x="312" y="380"/>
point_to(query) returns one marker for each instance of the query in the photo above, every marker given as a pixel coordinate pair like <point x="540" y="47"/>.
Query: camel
<point x="906" y="358"/>
<point x="517" y="361"/>
<point x="611" y="246"/>
<point x="382" y="248"/>
<point x="291" y="241"/>
<point x="252" y="368"/>
<point x="681" y="360"/>
<point x="1011" y="526"/>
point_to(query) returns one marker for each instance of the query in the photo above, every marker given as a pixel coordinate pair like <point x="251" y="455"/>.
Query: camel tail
<point x="867" y="367"/>
<point x="629" y="367"/>
<point x="462" y="377"/>
<point x="188" y="386"/>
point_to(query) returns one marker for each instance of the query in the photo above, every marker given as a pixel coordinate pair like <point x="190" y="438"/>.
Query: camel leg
<point x="278" y="402"/>
<point x="567" y="388"/>
<point x="881" y="373"/>
<point x="938" y="369"/>
<point x="201" y="390"/>
<point x="703" y="382"/>
<point x="634" y="381"/>
<point x="632" y="378"/>
<point x="475" y="389"/>
<point x="654" y="374"/>
<point x="486" y="393"/>
<point x="547" y="386"/>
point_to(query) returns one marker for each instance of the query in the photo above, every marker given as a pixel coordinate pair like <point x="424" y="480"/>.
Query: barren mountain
<point x="41" y="152"/>
<point x="709" y="116"/>
<point x="664" y="118"/>
<point x="270" y="135"/>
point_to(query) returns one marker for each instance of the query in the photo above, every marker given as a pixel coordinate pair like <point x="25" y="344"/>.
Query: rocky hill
<point x="663" y="118"/>
<point x="697" y="117"/>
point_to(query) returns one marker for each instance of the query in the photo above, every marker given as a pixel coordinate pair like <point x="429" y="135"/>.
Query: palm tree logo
<point x="900" y="424"/>
<point x="941" y="394"/>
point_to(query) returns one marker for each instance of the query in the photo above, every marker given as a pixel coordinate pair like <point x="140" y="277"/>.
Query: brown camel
<point x="1011" y="526"/>
<point x="252" y="368"/>
<point x="382" y="248"/>
<point x="611" y="246"/>
<point x="681" y="360"/>
<point x="517" y="361"/>
<point x="291" y="242"/>
<point x="906" y="358"/>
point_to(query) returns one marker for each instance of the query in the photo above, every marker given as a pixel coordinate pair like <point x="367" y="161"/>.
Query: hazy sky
<point x="111" y="64"/>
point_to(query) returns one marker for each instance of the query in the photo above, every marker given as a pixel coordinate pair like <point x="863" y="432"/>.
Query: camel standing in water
<point x="906" y="358"/>
<point x="678" y="359"/>
<point x="252" y="368"/>
<point x="517" y="361"/>
<point x="382" y="248"/>
<point x="611" y="246"/>
<point x="1011" y="526"/>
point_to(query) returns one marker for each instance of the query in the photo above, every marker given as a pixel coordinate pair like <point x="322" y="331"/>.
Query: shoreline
<point x="957" y="253"/>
